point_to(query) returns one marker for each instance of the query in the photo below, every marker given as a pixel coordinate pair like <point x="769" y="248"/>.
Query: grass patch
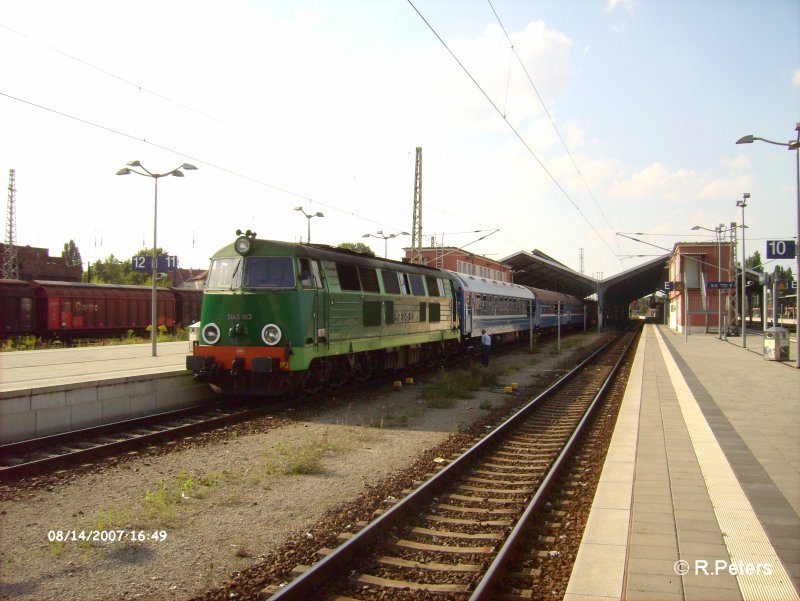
<point x="304" y="458"/>
<point x="27" y="343"/>
<point x="460" y="384"/>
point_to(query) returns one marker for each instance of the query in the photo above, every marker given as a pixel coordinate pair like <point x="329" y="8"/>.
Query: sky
<point x="567" y="126"/>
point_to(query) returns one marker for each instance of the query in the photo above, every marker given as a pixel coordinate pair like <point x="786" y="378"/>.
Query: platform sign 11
<point x="780" y="249"/>
<point x="145" y="263"/>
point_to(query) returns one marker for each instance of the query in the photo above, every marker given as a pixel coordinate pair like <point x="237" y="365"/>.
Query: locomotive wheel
<point x="340" y="373"/>
<point x="363" y="366"/>
<point x="314" y="380"/>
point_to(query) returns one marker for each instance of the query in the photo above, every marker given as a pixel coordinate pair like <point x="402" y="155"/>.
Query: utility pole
<point x="416" y="229"/>
<point x="10" y="257"/>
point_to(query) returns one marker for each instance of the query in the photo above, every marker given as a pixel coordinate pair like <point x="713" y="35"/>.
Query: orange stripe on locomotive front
<point x="224" y="355"/>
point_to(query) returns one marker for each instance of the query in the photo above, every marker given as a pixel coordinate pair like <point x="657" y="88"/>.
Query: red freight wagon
<point x="100" y="308"/>
<point x="188" y="304"/>
<point x="16" y="308"/>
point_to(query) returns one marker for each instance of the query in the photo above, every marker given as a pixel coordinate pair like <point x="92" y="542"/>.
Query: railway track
<point x="48" y="453"/>
<point x="29" y="457"/>
<point x="454" y="535"/>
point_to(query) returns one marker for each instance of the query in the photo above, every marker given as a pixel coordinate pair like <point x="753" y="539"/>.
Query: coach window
<point x="405" y="284"/>
<point x="391" y="285"/>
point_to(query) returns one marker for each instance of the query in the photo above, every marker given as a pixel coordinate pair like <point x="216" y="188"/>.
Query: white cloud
<point x="796" y="78"/>
<point x="629" y="5"/>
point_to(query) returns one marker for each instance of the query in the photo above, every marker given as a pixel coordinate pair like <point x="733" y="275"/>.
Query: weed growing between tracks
<point x="460" y="384"/>
<point x="305" y="457"/>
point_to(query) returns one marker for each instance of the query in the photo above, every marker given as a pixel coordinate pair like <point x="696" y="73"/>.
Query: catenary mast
<point x="10" y="257"/>
<point x="416" y="229"/>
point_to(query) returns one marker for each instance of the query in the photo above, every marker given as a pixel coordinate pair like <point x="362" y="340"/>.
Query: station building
<point x="462" y="261"/>
<point x="703" y="279"/>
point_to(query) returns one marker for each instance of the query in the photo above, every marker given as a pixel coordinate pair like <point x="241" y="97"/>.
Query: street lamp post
<point x="317" y="214"/>
<point x="790" y="145"/>
<point x="743" y="203"/>
<point x="380" y="234"/>
<point x="156" y="176"/>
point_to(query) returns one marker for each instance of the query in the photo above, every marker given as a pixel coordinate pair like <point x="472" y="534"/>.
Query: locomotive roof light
<point x="243" y="245"/>
<point x="271" y="334"/>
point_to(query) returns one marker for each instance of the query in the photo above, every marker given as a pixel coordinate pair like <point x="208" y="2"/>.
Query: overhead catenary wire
<point x="549" y="116"/>
<point x="514" y="130"/>
<point x="206" y="115"/>
<point x="192" y="158"/>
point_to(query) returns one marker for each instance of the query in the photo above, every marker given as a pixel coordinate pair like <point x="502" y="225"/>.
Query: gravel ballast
<point x="226" y="501"/>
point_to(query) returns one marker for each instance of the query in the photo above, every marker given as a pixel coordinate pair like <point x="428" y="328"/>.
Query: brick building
<point x="461" y="261"/>
<point x="37" y="264"/>
<point x="693" y="269"/>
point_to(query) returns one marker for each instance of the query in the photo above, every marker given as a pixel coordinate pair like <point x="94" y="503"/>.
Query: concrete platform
<point x="52" y="391"/>
<point x="699" y="497"/>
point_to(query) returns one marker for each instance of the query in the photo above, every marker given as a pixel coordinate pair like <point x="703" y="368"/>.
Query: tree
<point x="72" y="254"/>
<point x="358" y="247"/>
<point x="754" y="263"/>
<point x="114" y="271"/>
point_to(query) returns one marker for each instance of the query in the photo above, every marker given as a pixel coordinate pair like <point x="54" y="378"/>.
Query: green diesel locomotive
<point x="279" y="317"/>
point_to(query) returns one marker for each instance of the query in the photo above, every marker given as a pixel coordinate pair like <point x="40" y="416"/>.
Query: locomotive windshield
<point x="269" y="272"/>
<point x="224" y="274"/>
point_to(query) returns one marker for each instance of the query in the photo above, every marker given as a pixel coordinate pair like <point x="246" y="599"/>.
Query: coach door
<point x="468" y="311"/>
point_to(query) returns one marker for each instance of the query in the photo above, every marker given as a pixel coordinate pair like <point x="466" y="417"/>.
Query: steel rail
<point x="306" y="584"/>
<point x="485" y="589"/>
<point x="125" y="428"/>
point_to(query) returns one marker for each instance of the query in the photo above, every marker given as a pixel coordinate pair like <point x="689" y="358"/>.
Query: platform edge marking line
<point x="599" y="570"/>
<point x="743" y="534"/>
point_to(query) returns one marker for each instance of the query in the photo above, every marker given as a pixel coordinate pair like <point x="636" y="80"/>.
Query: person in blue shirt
<point x="486" y="347"/>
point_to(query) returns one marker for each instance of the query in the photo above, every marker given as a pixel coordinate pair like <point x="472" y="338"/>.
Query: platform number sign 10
<point x="780" y="249"/>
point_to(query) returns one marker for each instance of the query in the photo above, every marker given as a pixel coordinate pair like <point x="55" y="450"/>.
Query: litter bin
<point x="776" y="344"/>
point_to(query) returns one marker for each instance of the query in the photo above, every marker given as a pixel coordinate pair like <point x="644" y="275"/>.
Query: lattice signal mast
<point x="10" y="257"/>
<point x="416" y="229"/>
<point x="733" y="303"/>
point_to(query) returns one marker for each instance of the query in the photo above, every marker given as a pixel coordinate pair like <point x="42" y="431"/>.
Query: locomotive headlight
<point x="271" y="334"/>
<point x="243" y="245"/>
<point x="210" y="333"/>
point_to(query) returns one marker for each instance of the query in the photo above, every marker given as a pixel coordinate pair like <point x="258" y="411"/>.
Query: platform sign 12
<point x="145" y="263"/>
<point x="780" y="249"/>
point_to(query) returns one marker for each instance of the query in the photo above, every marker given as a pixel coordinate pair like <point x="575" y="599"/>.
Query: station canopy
<point x="538" y="270"/>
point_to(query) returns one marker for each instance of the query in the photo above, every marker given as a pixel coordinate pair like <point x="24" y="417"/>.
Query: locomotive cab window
<point x="309" y="274"/>
<point x="223" y="273"/>
<point x="268" y="272"/>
